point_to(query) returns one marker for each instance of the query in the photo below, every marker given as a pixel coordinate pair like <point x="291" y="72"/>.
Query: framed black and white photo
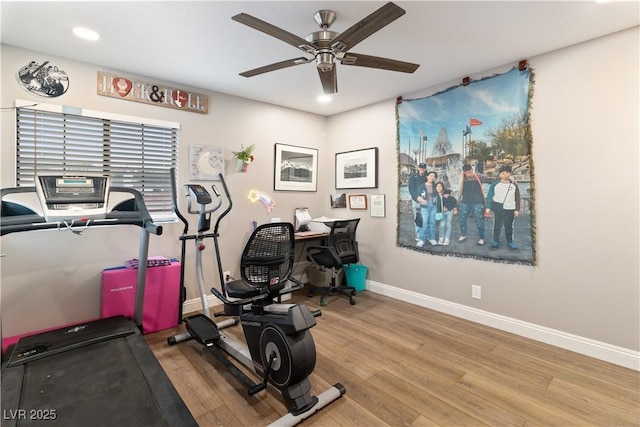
<point x="295" y="168"/>
<point x="357" y="169"/>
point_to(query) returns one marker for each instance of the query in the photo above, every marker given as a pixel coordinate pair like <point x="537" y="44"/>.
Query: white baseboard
<point x="193" y="305"/>
<point x="599" y="350"/>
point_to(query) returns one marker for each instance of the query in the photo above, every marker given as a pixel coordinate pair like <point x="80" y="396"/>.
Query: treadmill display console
<point x="73" y="196"/>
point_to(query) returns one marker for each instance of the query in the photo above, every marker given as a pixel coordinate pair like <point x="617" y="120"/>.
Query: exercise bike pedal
<point x="256" y="389"/>
<point x="203" y="329"/>
<point x="259" y="387"/>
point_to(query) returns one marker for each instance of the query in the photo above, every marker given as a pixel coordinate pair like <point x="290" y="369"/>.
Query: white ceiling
<point x="196" y="43"/>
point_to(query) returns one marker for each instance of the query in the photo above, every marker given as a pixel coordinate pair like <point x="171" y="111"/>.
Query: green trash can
<point x="356" y="275"/>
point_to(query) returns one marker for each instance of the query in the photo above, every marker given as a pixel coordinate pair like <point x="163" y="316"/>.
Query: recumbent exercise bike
<point x="281" y="350"/>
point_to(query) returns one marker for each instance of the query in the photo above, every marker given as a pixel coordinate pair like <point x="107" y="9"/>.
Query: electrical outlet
<point x="476" y="292"/>
<point x="227" y="276"/>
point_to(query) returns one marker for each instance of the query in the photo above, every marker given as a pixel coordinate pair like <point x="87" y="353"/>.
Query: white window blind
<point x="134" y="155"/>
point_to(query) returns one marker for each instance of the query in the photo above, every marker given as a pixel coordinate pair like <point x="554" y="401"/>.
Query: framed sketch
<point x="357" y="169"/>
<point x="206" y="162"/>
<point x="377" y="205"/>
<point x="295" y="168"/>
<point x="357" y="201"/>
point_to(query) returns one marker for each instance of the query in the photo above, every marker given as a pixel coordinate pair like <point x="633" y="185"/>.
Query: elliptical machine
<point x="280" y="349"/>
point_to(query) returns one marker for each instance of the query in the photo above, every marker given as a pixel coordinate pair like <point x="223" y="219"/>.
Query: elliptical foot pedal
<point x="203" y="329"/>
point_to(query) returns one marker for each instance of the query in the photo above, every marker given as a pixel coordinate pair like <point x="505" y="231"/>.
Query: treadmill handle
<point x="153" y="228"/>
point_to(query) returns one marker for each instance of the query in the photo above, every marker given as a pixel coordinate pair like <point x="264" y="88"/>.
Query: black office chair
<point x="341" y="249"/>
<point x="266" y="266"/>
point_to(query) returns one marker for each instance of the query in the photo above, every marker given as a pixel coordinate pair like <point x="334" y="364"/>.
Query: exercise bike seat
<point x="241" y="290"/>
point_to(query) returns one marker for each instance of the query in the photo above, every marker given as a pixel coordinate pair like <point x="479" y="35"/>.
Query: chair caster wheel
<point x="352" y="302"/>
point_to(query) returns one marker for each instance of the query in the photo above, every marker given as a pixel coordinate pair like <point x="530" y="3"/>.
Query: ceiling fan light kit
<point x="326" y="47"/>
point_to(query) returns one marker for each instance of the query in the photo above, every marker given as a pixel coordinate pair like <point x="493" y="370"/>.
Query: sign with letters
<point x="117" y="86"/>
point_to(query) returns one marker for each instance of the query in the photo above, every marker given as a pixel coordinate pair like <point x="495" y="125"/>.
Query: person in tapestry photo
<point x="471" y="201"/>
<point x="504" y="200"/>
<point x="447" y="207"/>
<point x="416" y="186"/>
<point x="427" y="199"/>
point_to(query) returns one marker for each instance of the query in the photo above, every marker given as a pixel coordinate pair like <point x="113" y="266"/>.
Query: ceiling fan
<point x="326" y="47"/>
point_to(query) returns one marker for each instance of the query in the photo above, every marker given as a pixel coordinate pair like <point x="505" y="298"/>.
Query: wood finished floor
<point x="404" y="365"/>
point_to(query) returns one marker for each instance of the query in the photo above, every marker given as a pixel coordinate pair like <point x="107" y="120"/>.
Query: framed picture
<point x="338" y="200"/>
<point x="377" y="205"/>
<point x="357" y="201"/>
<point x="295" y="168"/>
<point x="357" y="169"/>
<point x="206" y="162"/>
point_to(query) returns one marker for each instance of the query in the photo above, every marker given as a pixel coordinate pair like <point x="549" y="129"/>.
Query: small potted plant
<point x="244" y="157"/>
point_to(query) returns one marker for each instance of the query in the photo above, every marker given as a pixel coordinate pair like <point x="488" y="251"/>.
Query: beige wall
<point x="585" y="149"/>
<point x="64" y="287"/>
<point x="585" y="130"/>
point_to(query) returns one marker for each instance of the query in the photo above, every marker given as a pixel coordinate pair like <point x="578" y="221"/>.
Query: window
<point x="135" y="153"/>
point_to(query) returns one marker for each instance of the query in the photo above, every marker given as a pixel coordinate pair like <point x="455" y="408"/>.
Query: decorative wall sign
<point x="206" y="162"/>
<point x="149" y="93"/>
<point x="44" y="79"/>
<point x="477" y="139"/>
<point x="295" y="168"/>
<point x="357" y="169"/>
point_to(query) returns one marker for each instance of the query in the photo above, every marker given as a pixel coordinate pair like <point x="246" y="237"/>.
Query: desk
<point x="303" y="236"/>
<point x="301" y="263"/>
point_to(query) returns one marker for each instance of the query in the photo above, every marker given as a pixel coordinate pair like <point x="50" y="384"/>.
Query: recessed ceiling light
<point x="324" y="99"/>
<point x="86" y="34"/>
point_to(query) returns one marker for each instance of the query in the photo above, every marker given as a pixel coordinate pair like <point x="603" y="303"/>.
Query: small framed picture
<point x="377" y="205"/>
<point x="357" y="201"/>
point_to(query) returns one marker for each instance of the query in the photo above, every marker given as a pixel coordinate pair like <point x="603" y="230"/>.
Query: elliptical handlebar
<point x="228" y="196"/>
<point x="174" y="201"/>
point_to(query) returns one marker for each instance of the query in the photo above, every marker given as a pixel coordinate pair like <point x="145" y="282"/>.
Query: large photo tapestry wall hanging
<point x="466" y="172"/>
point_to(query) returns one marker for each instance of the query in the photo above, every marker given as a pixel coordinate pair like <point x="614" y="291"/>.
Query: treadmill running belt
<point x="98" y="389"/>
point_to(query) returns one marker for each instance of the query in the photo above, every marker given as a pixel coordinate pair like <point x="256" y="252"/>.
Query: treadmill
<point x="98" y="373"/>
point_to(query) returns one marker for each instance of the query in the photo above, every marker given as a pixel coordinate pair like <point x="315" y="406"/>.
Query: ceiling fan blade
<point x="329" y="80"/>
<point x="360" y="60"/>
<point x="276" y="66"/>
<point x="367" y="26"/>
<point x="274" y="31"/>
